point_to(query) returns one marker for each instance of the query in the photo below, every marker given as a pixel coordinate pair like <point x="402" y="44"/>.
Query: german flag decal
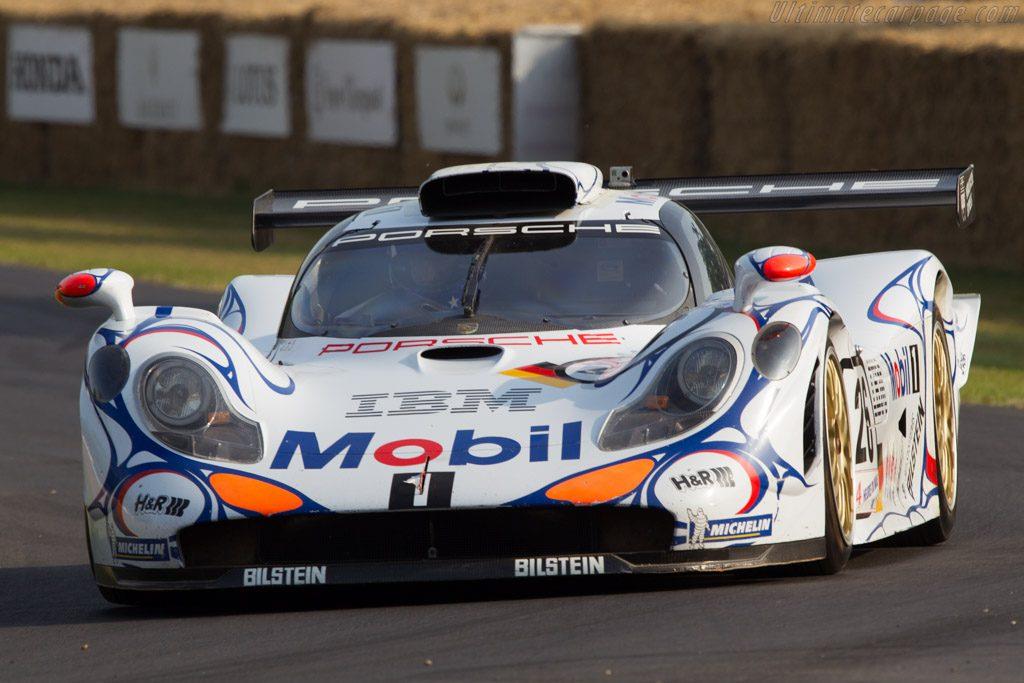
<point x="544" y="373"/>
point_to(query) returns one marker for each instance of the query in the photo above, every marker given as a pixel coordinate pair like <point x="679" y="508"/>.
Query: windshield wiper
<point x="470" y="292"/>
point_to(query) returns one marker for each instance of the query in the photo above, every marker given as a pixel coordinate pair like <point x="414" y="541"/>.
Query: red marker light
<point x="788" y="266"/>
<point x="77" y="285"/>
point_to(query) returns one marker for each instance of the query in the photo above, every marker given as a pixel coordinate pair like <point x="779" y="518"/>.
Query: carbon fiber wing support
<point x="275" y="210"/>
<point x="952" y="187"/>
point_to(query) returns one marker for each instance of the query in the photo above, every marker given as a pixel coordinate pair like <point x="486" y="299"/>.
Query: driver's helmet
<point x="423" y="273"/>
<point x="424" y="276"/>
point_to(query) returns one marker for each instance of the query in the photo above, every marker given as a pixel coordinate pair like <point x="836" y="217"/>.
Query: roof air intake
<point x="497" y="192"/>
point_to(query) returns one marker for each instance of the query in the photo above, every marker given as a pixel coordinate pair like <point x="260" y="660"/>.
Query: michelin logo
<point x="703" y="530"/>
<point x="559" y="566"/>
<point x="140" y="548"/>
<point x="284" y="576"/>
<point x="732" y="529"/>
<point x="698" y="527"/>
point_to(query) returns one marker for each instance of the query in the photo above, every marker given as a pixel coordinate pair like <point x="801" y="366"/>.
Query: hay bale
<point x="644" y="98"/>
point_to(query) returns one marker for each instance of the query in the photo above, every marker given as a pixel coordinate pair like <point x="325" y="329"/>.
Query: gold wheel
<point x="837" y="434"/>
<point x="942" y="388"/>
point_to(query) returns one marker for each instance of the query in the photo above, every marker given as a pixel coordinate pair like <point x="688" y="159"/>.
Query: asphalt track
<point x="895" y="613"/>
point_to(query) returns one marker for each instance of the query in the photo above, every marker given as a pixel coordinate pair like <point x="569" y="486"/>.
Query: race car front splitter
<point x="724" y="559"/>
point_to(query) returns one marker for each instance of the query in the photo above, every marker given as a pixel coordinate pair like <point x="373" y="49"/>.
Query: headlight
<point x="704" y="369"/>
<point x="690" y="388"/>
<point x="179" y="393"/>
<point x="187" y="412"/>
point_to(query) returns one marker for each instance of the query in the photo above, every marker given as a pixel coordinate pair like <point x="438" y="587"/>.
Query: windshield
<point x="398" y="282"/>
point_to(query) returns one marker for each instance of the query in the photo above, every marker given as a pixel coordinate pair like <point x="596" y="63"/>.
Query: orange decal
<point x="600" y="486"/>
<point x="253" y="494"/>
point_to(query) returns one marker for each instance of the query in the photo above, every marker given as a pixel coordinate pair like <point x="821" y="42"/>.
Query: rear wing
<point x="276" y="210"/>
<point x="954" y="187"/>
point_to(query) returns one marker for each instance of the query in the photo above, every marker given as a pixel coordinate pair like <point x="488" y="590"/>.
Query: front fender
<point x="138" y="492"/>
<point x="252" y="305"/>
<point x="747" y="466"/>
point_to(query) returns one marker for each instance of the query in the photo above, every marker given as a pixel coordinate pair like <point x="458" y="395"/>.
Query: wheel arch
<point x="839" y="335"/>
<point x="942" y="295"/>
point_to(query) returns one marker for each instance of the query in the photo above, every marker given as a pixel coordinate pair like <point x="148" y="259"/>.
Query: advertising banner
<point x="458" y="99"/>
<point x="350" y="92"/>
<point x="256" y="100"/>
<point x="158" y="79"/>
<point x="545" y="94"/>
<point x="49" y="74"/>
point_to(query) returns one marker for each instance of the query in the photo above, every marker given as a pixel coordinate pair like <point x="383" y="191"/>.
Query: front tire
<point x="88" y="541"/>
<point x="838" y="473"/>
<point x="118" y="596"/>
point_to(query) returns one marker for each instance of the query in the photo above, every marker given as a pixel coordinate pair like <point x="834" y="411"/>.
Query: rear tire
<point x="838" y="473"/>
<point x="937" y="530"/>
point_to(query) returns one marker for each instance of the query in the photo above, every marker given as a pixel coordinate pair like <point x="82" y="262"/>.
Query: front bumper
<point x="411" y="571"/>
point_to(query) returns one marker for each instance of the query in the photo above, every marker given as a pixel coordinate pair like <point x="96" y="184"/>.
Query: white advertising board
<point x="458" y="99"/>
<point x="158" y="79"/>
<point x="49" y="74"/>
<point x="350" y="92"/>
<point x="545" y="93"/>
<point x="256" y="99"/>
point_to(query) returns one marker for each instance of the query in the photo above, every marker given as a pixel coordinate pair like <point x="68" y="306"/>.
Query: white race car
<point x="521" y="371"/>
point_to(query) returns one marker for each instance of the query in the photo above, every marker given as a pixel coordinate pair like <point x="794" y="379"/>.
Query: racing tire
<point x="116" y="596"/>
<point x="88" y="541"/>
<point x="134" y="598"/>
<point x="937" y="530"/>
<point x="838" y="472"/>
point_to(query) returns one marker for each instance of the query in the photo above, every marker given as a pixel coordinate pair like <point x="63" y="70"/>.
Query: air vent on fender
<point x="878" y="385"/>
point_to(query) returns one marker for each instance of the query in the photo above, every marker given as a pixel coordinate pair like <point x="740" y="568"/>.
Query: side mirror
<point x="99" y="287"/>
<point x="768" y="264"/>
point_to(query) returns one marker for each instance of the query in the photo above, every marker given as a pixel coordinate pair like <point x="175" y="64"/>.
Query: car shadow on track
<point x="42" y="596"/>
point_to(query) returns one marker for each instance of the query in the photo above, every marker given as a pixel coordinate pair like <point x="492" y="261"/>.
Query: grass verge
<point x="203" y="242"/>
<point x="196" y="242"/>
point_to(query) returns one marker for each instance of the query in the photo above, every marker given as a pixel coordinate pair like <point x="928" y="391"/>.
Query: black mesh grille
<point x="425" y="534"/>
<point x="810" y="433"/>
